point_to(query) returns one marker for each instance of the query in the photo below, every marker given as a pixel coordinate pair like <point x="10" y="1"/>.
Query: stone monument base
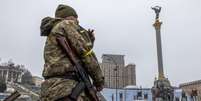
<point x="162" y="90"/>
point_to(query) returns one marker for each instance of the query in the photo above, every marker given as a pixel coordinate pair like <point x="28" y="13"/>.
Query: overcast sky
<point x="122" y="27"/>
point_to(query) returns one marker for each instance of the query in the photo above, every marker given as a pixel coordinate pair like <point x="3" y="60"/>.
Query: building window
<point x="121" y="96"/>
<point x="139" y="95"/>
<point x="145" y="96"/>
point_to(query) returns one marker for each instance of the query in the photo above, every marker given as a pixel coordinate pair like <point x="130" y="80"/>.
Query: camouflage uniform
<point x="56" y="61"/>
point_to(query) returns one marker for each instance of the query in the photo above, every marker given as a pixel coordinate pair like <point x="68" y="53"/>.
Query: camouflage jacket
<point x="56" y="60"/>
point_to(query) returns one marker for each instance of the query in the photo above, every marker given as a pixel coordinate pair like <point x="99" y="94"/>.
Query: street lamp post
<point x="116" y="80"/>
<point x="116" y="74"/>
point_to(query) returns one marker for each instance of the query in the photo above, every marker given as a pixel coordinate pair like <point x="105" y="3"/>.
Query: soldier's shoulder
<point x="66" y="23"/>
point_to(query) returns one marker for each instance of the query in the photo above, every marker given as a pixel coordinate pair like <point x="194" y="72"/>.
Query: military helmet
<point x="64" y="11"/>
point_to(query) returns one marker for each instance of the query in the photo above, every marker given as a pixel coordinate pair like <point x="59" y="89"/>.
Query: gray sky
<point x="122" y="27"/>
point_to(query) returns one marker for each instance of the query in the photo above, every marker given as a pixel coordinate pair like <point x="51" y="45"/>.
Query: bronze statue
<point x="157" y="10"/>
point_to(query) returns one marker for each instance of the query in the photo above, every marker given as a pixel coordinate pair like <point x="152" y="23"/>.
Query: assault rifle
<point x="80" y="71"/>
<point x="13" y="96"/>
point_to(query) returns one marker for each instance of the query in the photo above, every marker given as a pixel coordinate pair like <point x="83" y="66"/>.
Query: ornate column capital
<point x="157" y="24"/>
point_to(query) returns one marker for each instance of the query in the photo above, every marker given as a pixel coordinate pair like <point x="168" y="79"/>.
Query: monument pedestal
<point x="162" y="90"/>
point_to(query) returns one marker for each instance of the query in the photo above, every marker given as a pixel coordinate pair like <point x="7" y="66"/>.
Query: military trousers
<point x="57" y="89"/>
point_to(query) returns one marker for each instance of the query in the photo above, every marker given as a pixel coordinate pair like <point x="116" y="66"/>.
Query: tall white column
<point x="7" y="75"/>
<point x="11" y="76"/>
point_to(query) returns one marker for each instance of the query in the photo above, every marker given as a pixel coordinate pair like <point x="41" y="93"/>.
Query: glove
<point x="91" y="35"/>
<point x="99" y="88"/>
<point x="99" y="85"/>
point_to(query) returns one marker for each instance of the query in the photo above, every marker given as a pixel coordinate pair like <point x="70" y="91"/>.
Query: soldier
<point x="59" y="72"/>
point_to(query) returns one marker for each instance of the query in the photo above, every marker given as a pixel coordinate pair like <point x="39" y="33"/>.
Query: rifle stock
<point x="92" y="92"/>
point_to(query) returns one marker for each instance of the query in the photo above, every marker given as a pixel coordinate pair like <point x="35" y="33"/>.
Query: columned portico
<point x="11" y="74"/>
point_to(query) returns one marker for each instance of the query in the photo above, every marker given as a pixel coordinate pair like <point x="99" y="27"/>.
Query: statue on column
<point x="162" y="89"/>
<point x="157" y="10"/>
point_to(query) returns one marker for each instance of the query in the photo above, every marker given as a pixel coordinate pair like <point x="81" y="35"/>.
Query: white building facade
<point x="11" y="73"/>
